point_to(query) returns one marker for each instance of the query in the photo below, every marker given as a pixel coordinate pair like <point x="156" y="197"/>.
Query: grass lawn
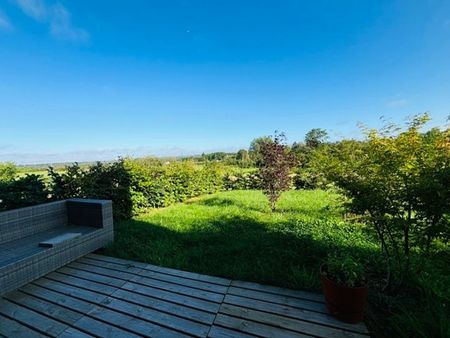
<point x="234" y="234"/>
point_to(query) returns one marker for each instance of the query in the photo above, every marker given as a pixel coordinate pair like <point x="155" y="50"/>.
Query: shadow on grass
<point x="232" y="247"/>
<point x="225" y="202"/>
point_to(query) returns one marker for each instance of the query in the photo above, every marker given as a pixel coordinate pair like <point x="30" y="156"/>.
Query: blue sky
<point x="87" y="80"/>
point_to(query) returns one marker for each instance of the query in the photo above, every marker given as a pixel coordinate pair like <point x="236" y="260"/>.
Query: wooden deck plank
<point x="252" y="328"/>
<point x="195" y="283"/>
<point x="31" y="318"/>
<point x="70" y="290"/>
<point x="136" y="278"/>
<point x="151" y="302"/>
<point x="210" y="296"/>
<point x="168" y="271"/>
<point x="102" y="310"/>
<point x="222" y="332"/>
<point x="173" y="297"/>
<point x="161" y="276"/>
<point x="44" y="307"/>
<point x="95" y="277"/>
<point x="185" y="282"/>
<point x="295" y="313"/>
<point x="168" y="307"/>
<point x="99" y="296"/>
<point x="100" y="329"/>
<point x="12" y="328"/>
<point x="279" y="321"/>
<point x="123" y="273"/>
<point x="83" y="283"/>
<point x="129" y="268"/>
<point x="283" y="300"/>
<point x="96" y="326"/>
<point x="279" y="291"/>
<point x="74" y="333"/>
<point x="131" y="323"/>
<point x="158" y="318"/>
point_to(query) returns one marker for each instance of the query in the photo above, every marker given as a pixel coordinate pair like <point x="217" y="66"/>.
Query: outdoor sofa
<point x="39" y="239"/>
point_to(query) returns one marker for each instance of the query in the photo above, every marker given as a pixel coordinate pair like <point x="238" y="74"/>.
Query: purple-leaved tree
<point x="275" y="167"/>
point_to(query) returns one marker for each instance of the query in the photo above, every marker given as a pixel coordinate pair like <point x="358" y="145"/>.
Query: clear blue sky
<point x="84" y="80"/>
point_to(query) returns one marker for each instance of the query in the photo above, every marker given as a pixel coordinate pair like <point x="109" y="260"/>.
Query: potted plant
<point x="344" y="287"/>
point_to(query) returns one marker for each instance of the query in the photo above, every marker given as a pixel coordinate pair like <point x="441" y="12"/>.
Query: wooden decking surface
<point x="99" y="296"/>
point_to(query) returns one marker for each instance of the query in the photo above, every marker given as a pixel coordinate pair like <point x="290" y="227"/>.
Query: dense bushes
<point x="132" y="185"/>
<point x="22" y="192"/>
<point x="7" y="171"/>
<point x="400" y="181"/>
<point x="242" y="181"/>
<point x="103" y="181"/>
<point x="136" y="185"/>
<point x="156" y="184"/>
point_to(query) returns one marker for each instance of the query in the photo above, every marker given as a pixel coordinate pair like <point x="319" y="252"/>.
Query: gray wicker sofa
<point x="39" y="239"/>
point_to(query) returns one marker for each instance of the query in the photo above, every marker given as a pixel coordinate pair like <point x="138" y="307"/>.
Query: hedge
<point x="134" y="185"/>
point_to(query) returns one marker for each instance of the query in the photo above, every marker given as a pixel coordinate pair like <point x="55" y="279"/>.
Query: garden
<point x="375" y="212"/>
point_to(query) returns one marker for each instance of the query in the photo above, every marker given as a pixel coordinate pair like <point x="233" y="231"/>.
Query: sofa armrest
<point x="90" y="212"/>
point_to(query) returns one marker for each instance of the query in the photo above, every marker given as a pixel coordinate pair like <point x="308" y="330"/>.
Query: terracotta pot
<point x="344" y="303"/>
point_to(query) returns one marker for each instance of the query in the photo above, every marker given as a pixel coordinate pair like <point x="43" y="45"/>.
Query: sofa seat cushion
<point x="15" y="251"/>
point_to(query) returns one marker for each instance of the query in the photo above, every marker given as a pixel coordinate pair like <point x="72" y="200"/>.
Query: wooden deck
<point x="99" y="296"/>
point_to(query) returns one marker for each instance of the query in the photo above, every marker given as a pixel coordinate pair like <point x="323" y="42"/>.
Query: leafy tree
<point x="306" y="176"/>
<point x="399" y="180"/>
<point x="243" y="158"/>
<point x="255" y="148"/>
<point x="8" y="171"/>
<point x="315" y="137"/>
<point x="275" y="167"/>
<point x="217" y="156"/>
<point x="242" y="155"/>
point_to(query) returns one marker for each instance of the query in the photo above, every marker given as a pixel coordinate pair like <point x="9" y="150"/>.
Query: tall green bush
<point x="159" y="184"/>
<point x="400" y="181"/>
<point x="8" y="171"/>
<point x="102" y="181"/>
<point x="23" y="192"/>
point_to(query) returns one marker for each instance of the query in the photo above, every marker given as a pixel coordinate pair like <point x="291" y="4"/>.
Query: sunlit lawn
<point x="234" y="234"/>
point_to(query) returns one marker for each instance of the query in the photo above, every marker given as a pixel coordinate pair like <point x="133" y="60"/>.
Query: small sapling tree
<point x="275" y="165"/>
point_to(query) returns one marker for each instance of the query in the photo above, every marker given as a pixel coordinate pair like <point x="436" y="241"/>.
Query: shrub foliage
<point x="400" y="181"/>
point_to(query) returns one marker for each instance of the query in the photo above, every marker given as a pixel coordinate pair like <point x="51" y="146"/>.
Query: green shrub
<point x="102" y="181"/>
<point x="345" y="270"/>
<point x="22" y="192"/>
<point x="7" y="171"/>
<point x="156" y="184"/>
<point x="242" y="181"/>
<point x="399" y="180"/>
<point x="308" y="178"/>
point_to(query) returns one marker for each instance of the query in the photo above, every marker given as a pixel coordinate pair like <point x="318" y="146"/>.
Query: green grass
<point x="234" y="234"/>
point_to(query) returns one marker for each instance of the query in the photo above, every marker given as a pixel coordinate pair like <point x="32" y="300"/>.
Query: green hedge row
<point x="132" y="185"/>
<point x="157" y="184"/>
